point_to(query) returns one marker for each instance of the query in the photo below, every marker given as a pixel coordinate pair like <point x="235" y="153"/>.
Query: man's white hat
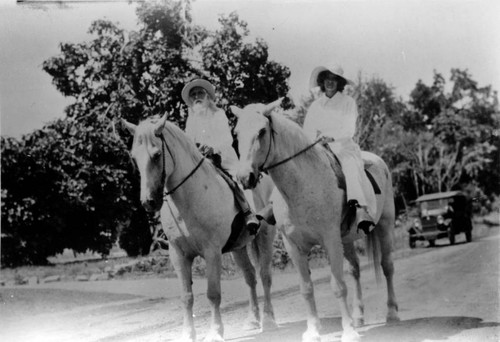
<point x="197" y="83"/>
<point x="334" y="69"/>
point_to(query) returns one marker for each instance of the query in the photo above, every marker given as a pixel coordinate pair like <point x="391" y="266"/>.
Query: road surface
<point x="445" y="293"/>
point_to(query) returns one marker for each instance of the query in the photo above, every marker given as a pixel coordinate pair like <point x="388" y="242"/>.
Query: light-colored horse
<point x="312" y="207"/>
<point x="197" y="216"/>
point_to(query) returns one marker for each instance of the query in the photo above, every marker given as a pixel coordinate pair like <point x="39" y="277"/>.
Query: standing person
<point x="208" y="126"/>
<point x="333" y="117"/>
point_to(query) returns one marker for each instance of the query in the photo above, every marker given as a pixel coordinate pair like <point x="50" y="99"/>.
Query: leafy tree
<point x="377" y="106"/>
<point x="63" y="187"/>
<point x="458" y="129"/>
<point x="78" y="190"/>
<point x="241" y="71"/>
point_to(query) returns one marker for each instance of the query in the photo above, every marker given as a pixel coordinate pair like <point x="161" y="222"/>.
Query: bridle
<point x="272" y="133"/>
<point x="164" y="172"/>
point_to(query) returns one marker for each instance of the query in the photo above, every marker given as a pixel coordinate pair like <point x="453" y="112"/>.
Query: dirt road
<point x="445" y="293"/>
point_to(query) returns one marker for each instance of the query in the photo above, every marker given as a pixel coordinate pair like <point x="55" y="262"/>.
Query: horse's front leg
<point x="261" y="251"/>
<point x="333" y="246"/>
<point x="213" y="260"/>
<point x="243" y="261"/>
<point x="264" y="243"/>
<point x="357" y="305"/>
<point x="182" y="266"/>
<point x="300" y="261"/>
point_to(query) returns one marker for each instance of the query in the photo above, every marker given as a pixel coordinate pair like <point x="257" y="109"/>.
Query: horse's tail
<point x="373" y="253"/>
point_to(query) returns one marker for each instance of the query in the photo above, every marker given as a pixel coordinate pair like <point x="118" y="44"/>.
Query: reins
<point x="170" y="192"/>
<point x="271" y="140"/>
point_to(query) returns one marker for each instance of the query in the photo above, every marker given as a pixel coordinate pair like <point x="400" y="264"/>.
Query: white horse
<point x="312" y="207"/>
<point x="198" y="213"/>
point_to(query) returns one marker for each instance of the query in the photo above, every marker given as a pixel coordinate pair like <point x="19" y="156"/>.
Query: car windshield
<point x="435" y="207"/>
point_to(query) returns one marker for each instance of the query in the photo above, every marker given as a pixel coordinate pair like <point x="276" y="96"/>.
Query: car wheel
<point x="451" y="236"/>
<point x="412" y="242"/>
<point x="468" y="236"/>
<point x="432" y="243"/>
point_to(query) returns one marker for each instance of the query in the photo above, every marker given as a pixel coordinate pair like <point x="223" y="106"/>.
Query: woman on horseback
<point x="333" y="117"/>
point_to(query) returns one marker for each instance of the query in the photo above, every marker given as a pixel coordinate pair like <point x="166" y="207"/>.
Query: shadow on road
<point x="292" y="331"/>
<point x="428" y="328"/>
<point x="414" y="330"/>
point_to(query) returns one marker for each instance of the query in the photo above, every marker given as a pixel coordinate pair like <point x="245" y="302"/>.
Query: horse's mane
<point x="296" y="139"/>
<point x="175" y="137"/>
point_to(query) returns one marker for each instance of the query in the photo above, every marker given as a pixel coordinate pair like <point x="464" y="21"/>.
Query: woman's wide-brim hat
<point x="194" y="84"/>
<point x="334" y="69"/>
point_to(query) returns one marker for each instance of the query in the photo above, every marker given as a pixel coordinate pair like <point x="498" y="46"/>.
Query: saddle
<point x="350" y="214"/>
<point x="335" y="164"/>
<point x="239" y="237"/>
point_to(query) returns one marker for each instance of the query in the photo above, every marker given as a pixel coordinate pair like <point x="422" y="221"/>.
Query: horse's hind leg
<point x="383" y="232"/>
<point x="243" y="261"/>
<point x="357" y="305"/>
<point x="182" y="266"/>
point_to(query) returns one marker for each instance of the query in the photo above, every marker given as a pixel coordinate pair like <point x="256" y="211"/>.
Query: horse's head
<point x="150" y="159"/>
<point x="254" y="130"/>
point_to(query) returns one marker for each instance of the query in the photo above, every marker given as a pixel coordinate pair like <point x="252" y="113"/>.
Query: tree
<point x="459" y="129"/>
<point x="71" y="192"/>
<point x="377" y="106"/>
<point x="241" y="70"/>
<point x="89" y="191"/>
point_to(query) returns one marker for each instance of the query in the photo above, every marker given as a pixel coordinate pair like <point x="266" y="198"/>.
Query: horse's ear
<point x="271" y="106"/>
<point x="236" y="111"/>
<point x="161" y="124"/>
<point x="130" y="126"/>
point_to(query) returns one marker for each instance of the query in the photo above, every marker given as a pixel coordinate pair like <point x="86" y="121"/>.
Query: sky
<point x="400" y="42"/>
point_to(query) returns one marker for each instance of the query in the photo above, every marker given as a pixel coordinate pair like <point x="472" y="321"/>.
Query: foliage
<point x="134" y="238"/>
<point x="77" y="189"/>
<point x="241" y="70"/>
<point x="63" y="187"/>
<point x="377" y="106"/>
<point x="457" y="140"/>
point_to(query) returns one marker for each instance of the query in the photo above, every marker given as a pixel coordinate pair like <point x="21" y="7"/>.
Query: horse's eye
<point x="262" y="132"/>
<point x="156" y="155"/>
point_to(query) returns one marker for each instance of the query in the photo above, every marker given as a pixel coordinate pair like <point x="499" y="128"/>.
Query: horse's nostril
<point x="251" y="179"/>
<point x="149" y="204"/>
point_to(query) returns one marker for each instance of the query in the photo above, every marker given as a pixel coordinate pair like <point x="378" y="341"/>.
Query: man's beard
<point x="200" y="108"/>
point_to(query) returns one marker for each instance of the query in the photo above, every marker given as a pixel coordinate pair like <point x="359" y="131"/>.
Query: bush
<point x="136" y="238"/>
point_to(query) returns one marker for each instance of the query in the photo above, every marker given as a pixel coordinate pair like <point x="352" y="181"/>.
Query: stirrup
<point x="366" y="226"/>
<point x="267" y="215"/>
<point x="252" y="223"/>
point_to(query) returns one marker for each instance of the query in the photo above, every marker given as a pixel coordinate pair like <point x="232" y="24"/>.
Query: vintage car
<point x="441" y="215"/>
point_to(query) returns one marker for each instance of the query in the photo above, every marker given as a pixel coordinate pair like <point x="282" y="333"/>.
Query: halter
<point x="272" y="132"/>
<point x="164" y="172"/>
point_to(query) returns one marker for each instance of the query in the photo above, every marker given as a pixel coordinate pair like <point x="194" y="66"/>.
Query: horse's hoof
<point x="186" y="339"/>
<point x="350" y="336"/>
<point x="213" y="337"/>
<point x="392" y="318"/>
<point x="269" y="325"/>
<point x="311" y="337"/>
<point x="251" y="325"/>
<point x="358" y="322"/>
